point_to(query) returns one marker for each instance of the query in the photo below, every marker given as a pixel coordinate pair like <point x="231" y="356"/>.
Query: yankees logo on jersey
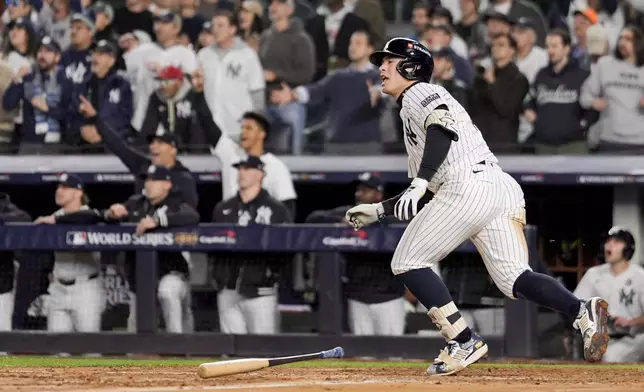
<point x="425" y="103"/>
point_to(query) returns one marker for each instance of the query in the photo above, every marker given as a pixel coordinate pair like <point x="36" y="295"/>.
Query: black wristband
<point x="91" y="120"/>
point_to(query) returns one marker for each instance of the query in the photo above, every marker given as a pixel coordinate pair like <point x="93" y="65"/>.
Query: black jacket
<point x="182" y="179"/>
<point x="368" y="275"/>
<point x="457" y="89"/>
<point x="495" y="108"/>
<point x="247" y="272"/>
<point x="177" y="116"/>
<point x="317" y="30"/>
<point x="9" y="213"/>
<point x="555" y="99"/>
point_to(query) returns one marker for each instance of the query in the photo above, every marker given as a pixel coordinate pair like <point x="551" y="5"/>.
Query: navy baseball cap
<point x="370" y="181"/>
<point x="495" y="15"/>
<point x="168" y="17"/>
<point x="71" y="181"/>
<point x="107" y="47"/>
<point x="157" y="173"/>
<point x="162" y="135"/>
<point x="524" y="22"/>
<point x="252" y="162"/>
<point x="50" y="44"/>
<point x="88" y="18"/>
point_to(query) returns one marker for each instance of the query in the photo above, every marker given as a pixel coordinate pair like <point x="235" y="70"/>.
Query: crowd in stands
<point x="547" y="77"/>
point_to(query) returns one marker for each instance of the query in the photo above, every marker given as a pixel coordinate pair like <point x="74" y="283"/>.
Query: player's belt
<point x="69" y="282"/>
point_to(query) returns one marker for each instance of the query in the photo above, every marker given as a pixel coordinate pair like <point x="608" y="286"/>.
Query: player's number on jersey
<point x="411" y="136"/>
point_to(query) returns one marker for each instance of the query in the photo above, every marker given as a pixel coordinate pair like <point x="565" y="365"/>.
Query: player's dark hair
<point x="638" y="45"/>
<point x="232" y="18"/>
<point x="260" y="119"/>
<point x="511" y="40"/>
<point x="370" y="38"/>
<point x="563" y="34"/>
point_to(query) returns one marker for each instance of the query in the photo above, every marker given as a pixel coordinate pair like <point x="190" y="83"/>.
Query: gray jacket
<point x="622" y="85"/>
<point x="289" y="53"/>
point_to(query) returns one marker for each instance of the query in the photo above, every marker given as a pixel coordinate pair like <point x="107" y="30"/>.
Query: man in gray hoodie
<point x="287" y="55"/>
<point x="615" y="89"/>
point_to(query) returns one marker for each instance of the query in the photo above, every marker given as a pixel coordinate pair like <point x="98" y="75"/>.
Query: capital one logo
<point x="356" y="239"/>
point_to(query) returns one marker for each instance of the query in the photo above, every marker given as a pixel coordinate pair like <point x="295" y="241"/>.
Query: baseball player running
<point x="473" y="199"/>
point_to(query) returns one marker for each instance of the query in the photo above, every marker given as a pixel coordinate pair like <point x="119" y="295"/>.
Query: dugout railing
<point x="519" y="340"/>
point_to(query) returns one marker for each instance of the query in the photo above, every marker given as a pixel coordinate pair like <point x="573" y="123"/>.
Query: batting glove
<point x="365" y="214"/>
<point x="407" y="206"/>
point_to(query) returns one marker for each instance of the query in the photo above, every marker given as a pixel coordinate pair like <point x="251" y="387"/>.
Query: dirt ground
<point x="313" y="379"/>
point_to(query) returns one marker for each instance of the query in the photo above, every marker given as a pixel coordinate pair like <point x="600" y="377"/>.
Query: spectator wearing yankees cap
<point x="109" y="93"/>
<point x="46" y="95"/>
<point x="251" y="24"/>
<point x="77" y="59"/>
<point x="206" y="37"/>
<point x="173" y="109"/>
<point x="255" y="127"/>
<point x="56" y="21"/>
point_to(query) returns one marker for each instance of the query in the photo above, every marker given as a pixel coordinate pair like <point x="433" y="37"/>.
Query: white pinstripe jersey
<point x="470" y="148"/>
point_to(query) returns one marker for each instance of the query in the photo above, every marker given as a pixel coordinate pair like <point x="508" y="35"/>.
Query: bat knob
<point x="337" y="352"/>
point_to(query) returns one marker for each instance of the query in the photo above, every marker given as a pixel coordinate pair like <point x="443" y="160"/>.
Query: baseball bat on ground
<point x="235" y="366"/>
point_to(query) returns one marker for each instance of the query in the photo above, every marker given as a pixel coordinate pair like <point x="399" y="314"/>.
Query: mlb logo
<point x="76" y="238"/>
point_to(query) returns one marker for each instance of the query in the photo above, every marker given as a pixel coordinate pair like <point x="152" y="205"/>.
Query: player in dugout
<point x="9" y="213"/>
<point x="254" y="129"/>
<point x="246" y="281"/>
<point x="622" y="284"/>
<point x="375" y="297"/>
<point x="162" y="148"/>
<point x="161" y="205"/>
<point x="77" y="296"/>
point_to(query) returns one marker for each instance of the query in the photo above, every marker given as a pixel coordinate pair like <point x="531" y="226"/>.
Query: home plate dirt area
<point x="110" y="375"/>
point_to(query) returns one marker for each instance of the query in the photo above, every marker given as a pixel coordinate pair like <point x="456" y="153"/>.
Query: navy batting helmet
<point x="417" y="63"/>
<point x="624" y="235"/>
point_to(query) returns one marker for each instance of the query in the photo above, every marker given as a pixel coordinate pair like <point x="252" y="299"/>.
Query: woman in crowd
<point x="251" y="24"/>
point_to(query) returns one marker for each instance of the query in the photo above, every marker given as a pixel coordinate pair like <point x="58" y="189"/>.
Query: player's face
<point x="556" y="49"/>
<point x="365" y="195"/>
<point x="66" y="195"/>
<point x="162" y="153"/>
<point x="157" y="189"/>
<point x="614" y="250"/>
<point x="251" y="134"/>
<point x="249" y="176"/>
<point x="392" y="82"/>
<point x="359" y="47"/>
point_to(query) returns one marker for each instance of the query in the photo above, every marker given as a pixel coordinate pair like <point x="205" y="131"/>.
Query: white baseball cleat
<point x="592" y="322"/>
<point x="457" y="356"/>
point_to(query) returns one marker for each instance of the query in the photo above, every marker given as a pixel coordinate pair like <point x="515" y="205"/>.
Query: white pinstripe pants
<point x="486" y="207"/>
